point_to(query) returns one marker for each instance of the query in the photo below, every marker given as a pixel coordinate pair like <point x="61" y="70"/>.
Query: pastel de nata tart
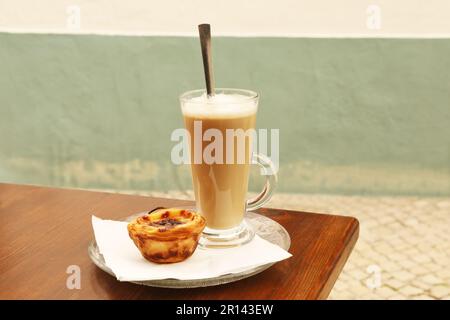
<point x="167" y="235"/>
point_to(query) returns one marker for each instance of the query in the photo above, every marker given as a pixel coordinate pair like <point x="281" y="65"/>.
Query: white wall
<point x="396" y="18"/>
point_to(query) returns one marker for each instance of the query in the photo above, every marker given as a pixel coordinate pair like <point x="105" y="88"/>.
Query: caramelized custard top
<point x="167" y="223"/>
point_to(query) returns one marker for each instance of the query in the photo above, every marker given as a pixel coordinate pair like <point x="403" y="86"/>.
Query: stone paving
<point x="403" y="251"/>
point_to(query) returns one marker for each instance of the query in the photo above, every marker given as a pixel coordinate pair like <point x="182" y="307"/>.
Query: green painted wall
<point x="360" y="116"/>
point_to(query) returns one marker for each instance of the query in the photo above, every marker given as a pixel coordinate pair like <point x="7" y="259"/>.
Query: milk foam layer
<point x="219" y="106"/>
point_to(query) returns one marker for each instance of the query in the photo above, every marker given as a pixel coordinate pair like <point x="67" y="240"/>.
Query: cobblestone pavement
<point x="403" y="251"/>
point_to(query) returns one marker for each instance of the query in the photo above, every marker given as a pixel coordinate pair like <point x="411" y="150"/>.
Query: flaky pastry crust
<point x="167" y="235"/>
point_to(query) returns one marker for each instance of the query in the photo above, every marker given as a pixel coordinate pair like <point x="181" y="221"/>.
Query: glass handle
<point x="268" y="170"/>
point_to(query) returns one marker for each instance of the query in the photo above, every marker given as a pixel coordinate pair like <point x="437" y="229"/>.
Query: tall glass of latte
<point x="221" y="137"/>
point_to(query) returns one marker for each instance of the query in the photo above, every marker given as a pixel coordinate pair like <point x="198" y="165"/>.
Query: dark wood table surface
<point x="44" y="230"/>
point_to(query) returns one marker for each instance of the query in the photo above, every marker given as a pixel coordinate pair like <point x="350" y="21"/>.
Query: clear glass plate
<point x="263" y="226"/>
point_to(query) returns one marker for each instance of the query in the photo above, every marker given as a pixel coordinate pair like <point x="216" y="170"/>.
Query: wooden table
<point x="43" y="231"/>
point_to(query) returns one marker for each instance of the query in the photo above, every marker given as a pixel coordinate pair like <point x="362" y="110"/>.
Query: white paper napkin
<point x="125" y="260"/>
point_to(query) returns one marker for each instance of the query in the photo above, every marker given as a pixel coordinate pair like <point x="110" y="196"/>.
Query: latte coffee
<point x="220" y="185"/>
